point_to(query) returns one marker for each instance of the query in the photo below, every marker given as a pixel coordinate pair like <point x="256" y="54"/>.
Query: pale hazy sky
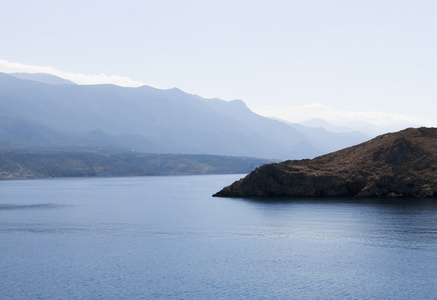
<point x="356" y="60"/>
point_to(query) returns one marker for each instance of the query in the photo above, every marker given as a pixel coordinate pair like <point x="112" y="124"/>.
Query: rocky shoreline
<point x="401" y="164"/>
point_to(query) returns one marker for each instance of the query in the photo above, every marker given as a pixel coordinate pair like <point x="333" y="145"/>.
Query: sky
<point x="343" y="61"/>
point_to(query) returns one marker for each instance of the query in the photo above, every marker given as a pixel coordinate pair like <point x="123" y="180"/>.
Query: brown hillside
<point x="401" y="164"/>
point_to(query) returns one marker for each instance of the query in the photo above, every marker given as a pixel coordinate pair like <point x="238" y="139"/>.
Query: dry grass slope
<point x="401" y="164"/>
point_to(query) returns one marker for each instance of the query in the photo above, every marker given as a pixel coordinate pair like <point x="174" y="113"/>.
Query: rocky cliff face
<point x="401" y="164"/>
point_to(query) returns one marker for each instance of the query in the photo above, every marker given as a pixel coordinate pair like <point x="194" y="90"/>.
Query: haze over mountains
<point x="43" y="77"/>
<point x="44" y="111"/>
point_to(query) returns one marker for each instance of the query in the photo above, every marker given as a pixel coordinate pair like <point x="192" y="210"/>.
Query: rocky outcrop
<point x="401" y="164"/>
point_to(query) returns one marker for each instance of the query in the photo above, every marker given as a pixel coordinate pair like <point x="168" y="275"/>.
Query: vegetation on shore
<point x="40" y="164"/>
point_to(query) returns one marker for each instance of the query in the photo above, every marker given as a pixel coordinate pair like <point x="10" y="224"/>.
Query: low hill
<point x="40" y="164"/>
<point x="401" y="164"/>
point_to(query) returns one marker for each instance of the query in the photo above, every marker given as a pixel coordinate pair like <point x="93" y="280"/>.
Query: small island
<point x="400" y="164"/>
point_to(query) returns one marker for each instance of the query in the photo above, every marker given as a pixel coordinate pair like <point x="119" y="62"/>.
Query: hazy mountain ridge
<point x="43" y="77"/>
<point x="321" y="123"/>
<point x="152" y="120"/>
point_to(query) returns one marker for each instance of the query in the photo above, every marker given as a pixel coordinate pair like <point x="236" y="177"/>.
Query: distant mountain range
<point x="41" y="111"/>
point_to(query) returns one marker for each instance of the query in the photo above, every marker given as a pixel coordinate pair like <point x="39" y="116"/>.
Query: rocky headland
<point x="400" y="164"/>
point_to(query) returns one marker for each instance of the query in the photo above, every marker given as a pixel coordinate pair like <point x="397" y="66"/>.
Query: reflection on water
<point x="28" y="206"/>
<point x="167" y="238"/>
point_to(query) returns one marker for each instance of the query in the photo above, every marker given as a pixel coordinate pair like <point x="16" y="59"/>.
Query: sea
<point x="168" y="238"/>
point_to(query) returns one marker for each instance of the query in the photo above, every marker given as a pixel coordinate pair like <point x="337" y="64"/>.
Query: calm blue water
<point x="167" y="238"/>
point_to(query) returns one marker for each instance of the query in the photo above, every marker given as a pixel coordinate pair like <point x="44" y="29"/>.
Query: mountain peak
<point x="238" y="102"/>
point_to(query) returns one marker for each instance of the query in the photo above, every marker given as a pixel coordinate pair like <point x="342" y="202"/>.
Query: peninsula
<point x="400" y="164"/>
